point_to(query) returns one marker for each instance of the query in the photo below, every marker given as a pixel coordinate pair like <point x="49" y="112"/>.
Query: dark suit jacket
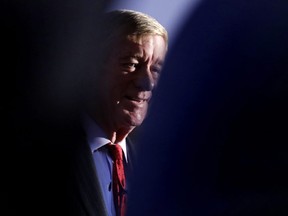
<point x="53" y="173"/>
<point x="35" y="169"/>
<point x="85" y="187"/>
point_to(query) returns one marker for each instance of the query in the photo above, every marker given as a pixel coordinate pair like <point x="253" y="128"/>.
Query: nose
<point x="144" y="80"/>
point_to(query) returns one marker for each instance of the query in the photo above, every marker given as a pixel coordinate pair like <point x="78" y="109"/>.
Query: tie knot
<point x="115" y="151"/>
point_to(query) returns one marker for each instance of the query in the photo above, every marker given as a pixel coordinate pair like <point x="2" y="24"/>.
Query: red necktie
<point x="119" y="181"/>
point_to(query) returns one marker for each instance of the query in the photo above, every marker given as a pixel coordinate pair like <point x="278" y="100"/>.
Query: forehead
<point x="149" y="46"/>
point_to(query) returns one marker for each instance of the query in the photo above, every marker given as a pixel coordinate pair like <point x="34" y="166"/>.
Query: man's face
<point x="130" y="74"/>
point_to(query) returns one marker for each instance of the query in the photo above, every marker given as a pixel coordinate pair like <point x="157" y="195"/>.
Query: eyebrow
<point x="158" y="62"/>
<point x="139" y="57"/>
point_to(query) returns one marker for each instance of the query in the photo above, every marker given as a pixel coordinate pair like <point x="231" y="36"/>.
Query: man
<point x="131" y="48"/>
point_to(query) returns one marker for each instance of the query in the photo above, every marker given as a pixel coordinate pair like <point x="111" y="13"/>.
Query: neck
<point x="119" y="135"/>
<point x="114" y="133"/>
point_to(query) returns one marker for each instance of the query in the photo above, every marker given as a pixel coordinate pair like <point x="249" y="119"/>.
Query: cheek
<point x="113" y="80"/>
<point x="117" y="90"/>
<point x="121" y="85"/>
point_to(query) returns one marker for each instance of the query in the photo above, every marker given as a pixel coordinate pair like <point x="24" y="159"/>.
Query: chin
<point x="133" y="121"/>
<point x="128" y="119"/>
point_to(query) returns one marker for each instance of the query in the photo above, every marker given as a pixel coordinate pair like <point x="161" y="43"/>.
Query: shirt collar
<point x="96" y="137"/>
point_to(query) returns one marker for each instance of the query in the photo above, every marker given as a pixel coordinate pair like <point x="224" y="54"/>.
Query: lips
<point x="137" y="99"/>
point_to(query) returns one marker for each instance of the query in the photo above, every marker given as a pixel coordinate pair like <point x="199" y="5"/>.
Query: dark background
<point x="47" y="48"/>
<point x="215" y="142"/>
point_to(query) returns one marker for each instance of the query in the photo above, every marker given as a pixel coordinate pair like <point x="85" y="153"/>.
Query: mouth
<point x="137" y="99"/>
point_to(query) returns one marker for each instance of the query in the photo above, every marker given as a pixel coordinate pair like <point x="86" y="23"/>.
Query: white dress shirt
<point x="103" y="163"/>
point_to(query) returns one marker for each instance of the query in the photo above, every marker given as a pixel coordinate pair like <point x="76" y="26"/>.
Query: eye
<point x="156" y="69"/>
<point x="130" y="66"/>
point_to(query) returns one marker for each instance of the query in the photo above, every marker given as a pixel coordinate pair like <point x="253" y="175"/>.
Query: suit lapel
<point x="88" y="192"/>
<point x="88" y="186"/>
<point x="131" y="153"/>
